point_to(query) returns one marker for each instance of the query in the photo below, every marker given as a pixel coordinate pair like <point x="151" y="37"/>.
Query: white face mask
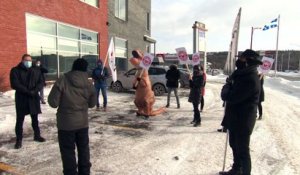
<point x="27" y="64"/>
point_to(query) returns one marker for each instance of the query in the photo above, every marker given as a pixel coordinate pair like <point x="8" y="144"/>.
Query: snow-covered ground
<point x="122" y="143"/>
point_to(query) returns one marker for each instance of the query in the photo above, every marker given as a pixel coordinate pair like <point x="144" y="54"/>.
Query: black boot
<point x="197" y="123"/>
<point x="178" y="106"/>
<point x="222" y="130"/>
<point x="39" y="139"/>
<point x="260" y="117"/>
<point x="18" y="144"/>
<point x="231" y="172"/>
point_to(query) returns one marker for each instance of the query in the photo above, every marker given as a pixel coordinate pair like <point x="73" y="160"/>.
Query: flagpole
<point x="276" y="56"/>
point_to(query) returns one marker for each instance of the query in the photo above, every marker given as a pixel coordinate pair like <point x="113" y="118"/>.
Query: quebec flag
<point x="273" y="24"/>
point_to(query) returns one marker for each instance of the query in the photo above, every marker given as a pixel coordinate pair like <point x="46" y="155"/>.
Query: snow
<point x="122" y="143"/>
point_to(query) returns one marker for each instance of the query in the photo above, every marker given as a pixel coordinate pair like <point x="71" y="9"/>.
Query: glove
<point x="133" y="87"/>
<point x="138" y="79"/>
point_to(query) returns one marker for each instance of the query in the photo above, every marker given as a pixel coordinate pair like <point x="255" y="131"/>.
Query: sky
<point x="172" y="23"/>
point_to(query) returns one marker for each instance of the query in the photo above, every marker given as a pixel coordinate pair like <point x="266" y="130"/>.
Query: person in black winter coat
<point x="27" y="81"/>
<point x="261" y="96"/>
<point x="172" y="76"/>
<point x="196" y="83"/>
<point x="241" y="95"/>
<point x="43" y="71"/>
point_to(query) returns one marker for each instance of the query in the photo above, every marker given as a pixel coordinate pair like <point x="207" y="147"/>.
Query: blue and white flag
<point x="273" y="24"/>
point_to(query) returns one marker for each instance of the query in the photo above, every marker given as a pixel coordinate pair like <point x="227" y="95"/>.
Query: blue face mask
<point x="27" y="64"/>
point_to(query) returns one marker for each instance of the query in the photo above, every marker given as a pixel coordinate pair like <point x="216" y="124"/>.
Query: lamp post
<point x="252" y="30"/>
<point x="199" y="27"/>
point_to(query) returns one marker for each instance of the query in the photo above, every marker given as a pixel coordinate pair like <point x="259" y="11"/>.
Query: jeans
<point x="176" y="95"/>
<point x="104" y="95"/>
<point x="67" y="141"/>
<point x="34" y="124"/>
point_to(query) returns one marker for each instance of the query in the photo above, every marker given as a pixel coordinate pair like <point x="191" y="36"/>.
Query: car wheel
<point x="117" y="86"/>
<point x="158" y="89"/>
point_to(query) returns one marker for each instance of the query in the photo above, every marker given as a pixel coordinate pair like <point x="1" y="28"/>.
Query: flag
<point x="112" y="60"/>
<point x="182" y="55"/>
<point x="146" y="61"/>
<point x="273" y="24"/>
<point x="233" y="47"/>
<point x="266" y="66"/>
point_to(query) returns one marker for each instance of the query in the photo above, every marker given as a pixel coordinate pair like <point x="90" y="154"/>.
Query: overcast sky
<point x="172" y="23"/>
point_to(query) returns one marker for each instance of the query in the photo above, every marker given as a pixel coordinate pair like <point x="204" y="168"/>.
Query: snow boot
<point x="39" y="139"/>
<point x="231" y="172"/>
<point x="18" y="144"/>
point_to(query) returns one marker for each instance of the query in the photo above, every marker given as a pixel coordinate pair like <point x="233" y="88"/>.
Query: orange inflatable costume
<point x="144" y="96"/>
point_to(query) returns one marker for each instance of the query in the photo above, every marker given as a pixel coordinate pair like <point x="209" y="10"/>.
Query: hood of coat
<point x="78" y="79"/>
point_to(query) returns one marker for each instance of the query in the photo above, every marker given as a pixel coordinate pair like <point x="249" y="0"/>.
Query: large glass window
<point x="121" y="9"/>
<point x="94" y="3"/>
<point x="57" y="45"/>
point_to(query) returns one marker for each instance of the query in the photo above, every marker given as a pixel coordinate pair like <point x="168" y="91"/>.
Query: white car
<point x="125" y="80"/>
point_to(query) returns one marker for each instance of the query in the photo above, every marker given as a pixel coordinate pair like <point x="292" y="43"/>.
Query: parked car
<point x="157" y="76"/>
<point x="125" y="80"/>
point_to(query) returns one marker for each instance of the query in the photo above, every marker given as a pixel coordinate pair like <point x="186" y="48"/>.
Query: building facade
<point x="129" y="24"/>
<point x="56" y="32"/>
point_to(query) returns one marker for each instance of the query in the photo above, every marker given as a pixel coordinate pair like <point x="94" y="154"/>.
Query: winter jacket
<point x="43" y="72"/>
<point x="73" y="94"/>
<point x="27" y="83"/>
<point x="100" y="77"/>
<point x="195" y="88"/>
<point x="172" y="77"/>
<point x="241" y="100"/>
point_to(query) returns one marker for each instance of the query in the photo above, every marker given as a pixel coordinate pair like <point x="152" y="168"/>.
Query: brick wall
<point x="13" y="26"/>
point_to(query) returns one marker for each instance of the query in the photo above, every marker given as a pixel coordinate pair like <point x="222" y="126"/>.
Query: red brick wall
<point x="13" y="26"/>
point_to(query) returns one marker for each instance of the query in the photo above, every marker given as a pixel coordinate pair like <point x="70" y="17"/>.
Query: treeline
<point x="287" y="59"/>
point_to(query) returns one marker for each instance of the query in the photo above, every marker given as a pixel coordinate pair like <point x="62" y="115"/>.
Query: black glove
<point x="133" y="87"/>
<point x="138" y="79"/>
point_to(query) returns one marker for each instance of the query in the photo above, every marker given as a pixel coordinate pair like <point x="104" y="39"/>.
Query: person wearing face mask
<point x="43" y="71"/>
<point x="241" y="95"/>
<point x="27" y="82"/>
<point x="196" y="84"/>
<point x="99" y="75"/>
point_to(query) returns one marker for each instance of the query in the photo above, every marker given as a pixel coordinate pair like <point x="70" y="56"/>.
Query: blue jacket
<point x="100" y="77"/>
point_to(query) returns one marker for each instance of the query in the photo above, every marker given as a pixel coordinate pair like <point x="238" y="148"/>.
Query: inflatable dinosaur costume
<point x="144" y="96"/>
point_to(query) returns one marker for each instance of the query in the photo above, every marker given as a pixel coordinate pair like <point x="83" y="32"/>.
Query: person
<point x="202" y="89"/>
<point x="43" y="71"/>
<point x="196" y="83"/>
<point x="172" y="77"/>
<point x="27" y="82"/>
<point x="241" y="95"/>
<point x="261" y="96"/>
<point x="144" y="96"/>
<point x="73" y="94"/>
<point x="99" y="75"/>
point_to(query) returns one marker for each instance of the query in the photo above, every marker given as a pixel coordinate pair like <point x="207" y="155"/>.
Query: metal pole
<point x="225" y="151"/>
<point x="251" y="37"/>
<point x="289" y="60"/>
<point x="276" y="57"/>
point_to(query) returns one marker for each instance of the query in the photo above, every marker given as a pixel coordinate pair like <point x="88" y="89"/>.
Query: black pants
<point x="202" y="103"/>
<point x="19" y="126"/>
<point x="197" y="117"/>
<point x="240" y="149"/>
<point x="260" y="109"/>
<point x="67" y="141"/>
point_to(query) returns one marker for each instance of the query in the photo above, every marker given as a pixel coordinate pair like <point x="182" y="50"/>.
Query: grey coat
<point x="73" y="94"/>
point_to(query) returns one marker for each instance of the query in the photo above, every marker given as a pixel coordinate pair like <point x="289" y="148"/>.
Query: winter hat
<point x="251" y="57"/>
<point x="80" y="65"/>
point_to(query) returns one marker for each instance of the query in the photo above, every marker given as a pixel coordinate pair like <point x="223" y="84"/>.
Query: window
<point x="121" y="53"/>
<point x="121" y="9"/>
<point x="148" y="21"/>
<point x="156" y="71"/>
<point x="94" y="3"/>
<point x="57" y="45"/>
